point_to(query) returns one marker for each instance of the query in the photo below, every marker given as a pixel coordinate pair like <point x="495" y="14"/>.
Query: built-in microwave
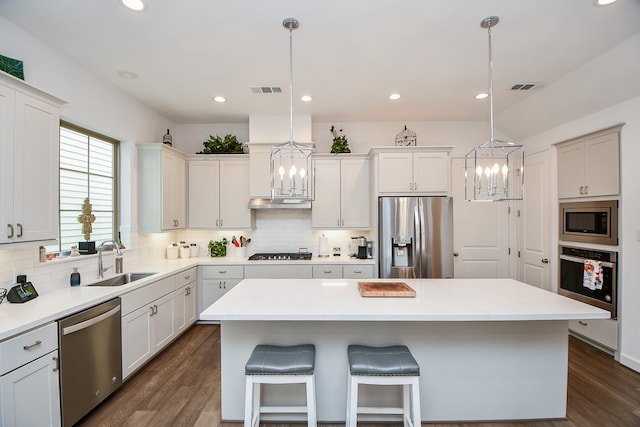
<point x="589" y="222"/>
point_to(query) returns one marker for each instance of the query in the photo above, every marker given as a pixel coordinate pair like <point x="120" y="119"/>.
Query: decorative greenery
<point x="86" y="218"/>
<point x="218" y="145"/>
<point x="340" y="143"/>
<point x="219" y="247"/>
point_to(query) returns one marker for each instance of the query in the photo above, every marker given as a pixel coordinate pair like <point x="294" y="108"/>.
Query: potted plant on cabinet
<point x="340" y="142"/>
<point x="218" y="145"/>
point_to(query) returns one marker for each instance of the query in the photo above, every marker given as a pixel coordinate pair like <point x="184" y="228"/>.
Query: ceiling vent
<point x="524" y="86"/>
<point x="266" y="89"/>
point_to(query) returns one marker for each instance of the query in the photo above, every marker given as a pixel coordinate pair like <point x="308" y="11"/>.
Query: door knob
<point x="545" y="260"/>
<point x="456" y="254"/>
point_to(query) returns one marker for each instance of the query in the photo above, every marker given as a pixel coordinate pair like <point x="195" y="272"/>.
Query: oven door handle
<point x="581" y="260"/>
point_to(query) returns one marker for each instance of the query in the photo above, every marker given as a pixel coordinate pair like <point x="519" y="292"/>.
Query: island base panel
<point x="503" y="370"/>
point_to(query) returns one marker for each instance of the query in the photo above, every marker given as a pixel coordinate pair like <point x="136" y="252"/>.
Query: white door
<point x="204" y="199"/>
<point x="535" y="223"/>
<point x="480" y="233"/>
<point x="234" y="194"/>
<point x="354" y="193"/>
<point x="395" y="172"/>
<point x="326" y="206"/>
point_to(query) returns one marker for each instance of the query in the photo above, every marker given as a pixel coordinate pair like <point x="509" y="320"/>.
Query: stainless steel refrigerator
<point x="415" y="237"/>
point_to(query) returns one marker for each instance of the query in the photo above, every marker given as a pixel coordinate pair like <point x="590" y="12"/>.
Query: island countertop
<point x="435" y="300"/>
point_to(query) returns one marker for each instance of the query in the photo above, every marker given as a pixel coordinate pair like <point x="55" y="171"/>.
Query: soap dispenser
<point x="75" y="277"/>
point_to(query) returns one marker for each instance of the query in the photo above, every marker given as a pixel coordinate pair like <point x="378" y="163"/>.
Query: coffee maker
<point x="362" y="247"/>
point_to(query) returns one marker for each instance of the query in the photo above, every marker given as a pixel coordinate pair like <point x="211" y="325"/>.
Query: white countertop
<point x="19" y="318"/>
<point x="436" y="300"/>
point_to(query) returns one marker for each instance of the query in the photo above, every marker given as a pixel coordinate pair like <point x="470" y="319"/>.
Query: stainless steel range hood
<point x="278" y="204"/>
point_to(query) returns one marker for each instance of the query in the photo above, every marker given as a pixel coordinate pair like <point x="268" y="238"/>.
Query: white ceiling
<point x="349" y="55"/>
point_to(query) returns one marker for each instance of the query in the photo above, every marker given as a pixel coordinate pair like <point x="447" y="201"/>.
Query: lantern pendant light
<point x="292" y="164"/>
<point x="494" y="171"/>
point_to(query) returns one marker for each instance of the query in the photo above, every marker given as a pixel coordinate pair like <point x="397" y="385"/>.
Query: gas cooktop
<point x="281" y="256"/>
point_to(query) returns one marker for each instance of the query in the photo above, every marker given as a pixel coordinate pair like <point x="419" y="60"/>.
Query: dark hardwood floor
<point x="181" y="387"/>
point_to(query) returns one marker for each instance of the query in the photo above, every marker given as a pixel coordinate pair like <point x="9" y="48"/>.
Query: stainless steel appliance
<point x="415" y="237"/>
<point x="281" y="256"/>
<point x="362" y="247"/>
<point x="90" y="359"/>
<point x="572" y="275"/>
<point x="589" y="222"/>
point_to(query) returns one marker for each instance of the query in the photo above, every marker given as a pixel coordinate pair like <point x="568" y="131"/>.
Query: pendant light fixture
<point x="292" y="164"/>
<point x="494" y="171"/>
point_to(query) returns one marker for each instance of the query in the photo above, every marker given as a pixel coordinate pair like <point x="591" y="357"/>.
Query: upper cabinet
<point x="589" y="166"/>
<point x="260" y="171"/>
<point x="342" y="192"/>
<point x="162" y="202"/>
<point x="411" y="170"/>
<point x="29" y="147"/>
<point x="219" y="192"/>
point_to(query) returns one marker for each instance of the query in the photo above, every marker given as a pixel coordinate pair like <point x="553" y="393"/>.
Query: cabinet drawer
<point x="185" y="277"/>
<point x="279" y="271"/>
<point x="329" y="271"/>
<point x="602" y="331"/>
<point x="29" y="346"/>
<point x="136" y="299"/>
<point x="222" y="272"/>
<point x="357" y="271"/>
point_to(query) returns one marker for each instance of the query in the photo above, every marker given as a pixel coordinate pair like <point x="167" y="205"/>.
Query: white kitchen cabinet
<point x="327" y="271"/>
<point x="147" y="322"/>
<point x="278" y="271"/>
<point x="162" y="188"/>
<point x="342" y="192"/>
<point x="29" y="381"/>
<point x="600" y="331"/>
<point x="357" y="271"/>
<point x="413" y="170"/>
<point x="589" y="166"/>
<point x="219" y="193"/>
<point x="29" y="147"/>
<point x="216" y="280"/>
<point x="185" y="300"/>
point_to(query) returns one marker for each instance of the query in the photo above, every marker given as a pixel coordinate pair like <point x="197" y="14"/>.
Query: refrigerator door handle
<point x="417" y="239"/>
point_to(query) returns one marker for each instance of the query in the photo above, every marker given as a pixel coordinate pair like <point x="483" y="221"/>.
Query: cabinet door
<point x="327" y="271"/>
<point x="602" y="166"/>
<point x="234" y="194"/>
<point x="36" y="159"/>
<point x="136" y="339"/>
<point x="571" y="170"/>
<point x="162" y="321"/>
<point x="395" y="173"/>
<point x="185" y="307"/>
<point x="431" y="172"/>
<point x="357" y="271"/>
<point x="173" y="192"/>
<point x="204" y="197"/>
<point x="212" y="289"/>
<point x="7" y="114"/>
<point x="354" y="193"/>
<point x="325" y="212"/>
<point x="31" y="394"/>
<point x="190" y="303"/>
<point x="260" y="172"/>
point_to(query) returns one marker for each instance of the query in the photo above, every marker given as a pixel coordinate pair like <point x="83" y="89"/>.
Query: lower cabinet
<point x="278" y="271"/>
<point x="154" y="315"/>
<point x="30" y="393"/>
<point x="600" y="331"/>
<point x="336" y="271"/>
<point x="215" y="281"/>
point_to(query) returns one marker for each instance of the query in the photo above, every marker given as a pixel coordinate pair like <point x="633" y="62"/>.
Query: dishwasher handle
<point x="90" y="322"/>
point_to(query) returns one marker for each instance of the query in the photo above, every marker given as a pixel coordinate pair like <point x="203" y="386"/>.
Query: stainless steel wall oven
<point x="572" y="277"/>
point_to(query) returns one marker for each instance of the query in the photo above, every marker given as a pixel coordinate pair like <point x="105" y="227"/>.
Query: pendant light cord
<point x="490" y="88"/>
<point x="291" y="83"/>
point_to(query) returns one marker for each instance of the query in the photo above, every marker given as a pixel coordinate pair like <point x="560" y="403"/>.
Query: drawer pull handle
<point x="357" y="271"/>
<point x="583" y="323"/>
<point x="57" y="367"/>
<point x="29" y="347"/>
<point x="222" y="271"/>
<point x="187" y="277"/>
<point x="328" y="271"/>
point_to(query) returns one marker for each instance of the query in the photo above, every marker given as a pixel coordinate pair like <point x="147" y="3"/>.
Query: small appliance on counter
<point x="362" y="247"/>
<point x="22" y="292"/>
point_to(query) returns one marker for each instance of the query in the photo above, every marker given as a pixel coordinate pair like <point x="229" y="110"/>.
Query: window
<point x="88" y="169"/>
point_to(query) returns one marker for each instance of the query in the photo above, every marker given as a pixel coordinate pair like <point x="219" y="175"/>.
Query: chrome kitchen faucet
<point x="118" y="260"/>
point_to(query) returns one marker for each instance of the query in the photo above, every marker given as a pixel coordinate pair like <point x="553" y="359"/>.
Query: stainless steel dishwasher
<point x="90" y="359"/>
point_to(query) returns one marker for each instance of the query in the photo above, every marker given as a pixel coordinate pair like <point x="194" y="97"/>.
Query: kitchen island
<point x="488" y="349"/>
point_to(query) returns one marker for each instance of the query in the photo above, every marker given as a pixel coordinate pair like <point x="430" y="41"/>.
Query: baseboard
<point x="630" y="362"/>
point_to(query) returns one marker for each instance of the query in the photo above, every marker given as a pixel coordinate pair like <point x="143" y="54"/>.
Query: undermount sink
<point x="121" y="279"/>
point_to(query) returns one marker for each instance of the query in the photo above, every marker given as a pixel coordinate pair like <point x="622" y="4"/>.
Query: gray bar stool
<point x="270" y="364"/>
<point x="393" y="365"/>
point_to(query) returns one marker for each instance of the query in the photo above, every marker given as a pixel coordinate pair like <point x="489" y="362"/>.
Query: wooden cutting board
<point x="386" y="289"/>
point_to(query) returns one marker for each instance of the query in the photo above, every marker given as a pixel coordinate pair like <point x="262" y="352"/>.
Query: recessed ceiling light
<point x="482" y="95"/>
<point x="305" y="98"/>
<point x="129" y="75"/>
<point x="603" y="2"/>
<point x="220" y="99"/>
<point x="136" y="5"/>
<point x="394" y="96"/>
